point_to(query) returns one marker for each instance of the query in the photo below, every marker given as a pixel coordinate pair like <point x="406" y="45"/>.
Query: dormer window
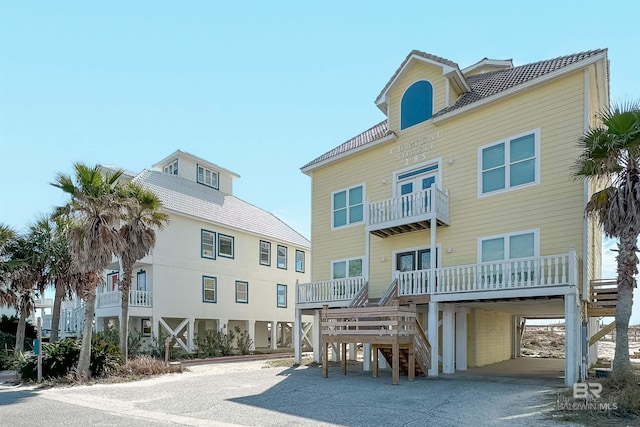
<point x="171" y="168"/>
<point x="207" y="177"/>
<point x="417" y="104"/>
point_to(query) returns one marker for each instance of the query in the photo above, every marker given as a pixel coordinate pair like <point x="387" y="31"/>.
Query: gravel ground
<point x="250" y="394"/>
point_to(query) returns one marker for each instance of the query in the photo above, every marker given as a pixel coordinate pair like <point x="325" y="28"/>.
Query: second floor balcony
<point x="408" y="212"/>
<point x="113" y="299"/>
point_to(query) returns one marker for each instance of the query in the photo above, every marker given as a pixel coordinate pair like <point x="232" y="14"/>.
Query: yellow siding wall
<point x="494" y="337"/>
<point x="555" y="206"/>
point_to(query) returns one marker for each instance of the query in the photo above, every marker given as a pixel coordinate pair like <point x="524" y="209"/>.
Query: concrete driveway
<point x="249" y="394"/>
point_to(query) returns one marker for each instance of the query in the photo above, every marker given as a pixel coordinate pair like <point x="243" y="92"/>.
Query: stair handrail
<point x="361" y="298"/>
<point x="422" y="345"/>
<point x="389" y="295"/>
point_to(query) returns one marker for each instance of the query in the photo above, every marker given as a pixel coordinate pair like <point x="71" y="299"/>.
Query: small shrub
<point x="143" y="365"/>
<point x="209" y="343"/>
<point x="243" y="341"/>
<point x="157" y="347"/>
<point x="227" y="341"/>
<point x="134" y="344"/>
<point x="106" y="357"/>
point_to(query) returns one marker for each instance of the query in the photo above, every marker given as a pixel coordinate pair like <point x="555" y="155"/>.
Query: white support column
<point x="352" y="351"/>
<point x="155" y="327"/>
<point x="432" y="335"/>
<point x="432" y="250"/>
<point x="461" y="339"/>
<point x="317" y="337"/>
<point x="274" y="335"/>
<point x="366" y="357"/>
<point x="594" y="326"/>
<point x="191" y="333"/>
<point x="251" y="330"/>
<point x="222" y="325"/>
<point x="335" y="352"/>
<point x="448" y="339"/>
<point x="297" y="334"/>
<point x="572" y="337"/>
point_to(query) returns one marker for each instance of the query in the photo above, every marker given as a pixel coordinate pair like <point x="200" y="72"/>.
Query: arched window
<point x="417" y="104"/>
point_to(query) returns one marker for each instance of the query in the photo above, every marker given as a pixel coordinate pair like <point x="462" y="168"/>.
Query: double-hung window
<point x="347" y="206"/>
<point x="282" y="257"/>
<point x="342" y="269"/>
<point x="510" y="163"/>
<point x="225" y="245"/>
<point x="209" y="289"/>
<point x="207" y="244"/>
<point x="281" y="296"/>
<point x="299" y="261"/>
<point x="242" y="291"/>
<point x="265" y="253"/>
<point x="207" y="177"/>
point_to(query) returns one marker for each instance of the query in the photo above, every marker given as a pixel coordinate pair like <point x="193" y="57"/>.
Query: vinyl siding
<point x="554" y="206"/>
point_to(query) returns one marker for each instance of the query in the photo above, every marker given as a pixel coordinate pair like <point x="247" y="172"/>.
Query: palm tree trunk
<point x="20" y="332"/>
<point x="627" y="269"/>
<point x="55" y="312"/>
<point x="84" y="360"/>
<point x="125" y="285"/>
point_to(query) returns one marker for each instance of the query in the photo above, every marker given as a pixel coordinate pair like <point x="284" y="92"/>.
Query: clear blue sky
<point x="260" y="88"/>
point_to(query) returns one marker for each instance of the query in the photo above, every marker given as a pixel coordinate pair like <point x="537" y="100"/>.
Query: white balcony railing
<point x="329" y="291"/>
<point x="519" y="274"/>
<point x="409" y="208"/>
<point x="112" y="299"/>
<point x="552" y="270"/>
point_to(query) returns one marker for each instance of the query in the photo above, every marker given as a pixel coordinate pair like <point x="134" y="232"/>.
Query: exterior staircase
<point x="387" y="326"/>
<point x="604" y="298"/>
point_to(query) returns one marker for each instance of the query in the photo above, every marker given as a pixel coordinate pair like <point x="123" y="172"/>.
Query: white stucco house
<point x="221" y="262"/>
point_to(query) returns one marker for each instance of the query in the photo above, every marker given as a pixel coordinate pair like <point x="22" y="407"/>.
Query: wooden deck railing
<point x="389" y="295"/>
<point x="366" y="323"/>
<point x="329" y="291"/>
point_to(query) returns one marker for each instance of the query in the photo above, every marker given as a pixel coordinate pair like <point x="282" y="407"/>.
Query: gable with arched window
<point x="417" y="104"/>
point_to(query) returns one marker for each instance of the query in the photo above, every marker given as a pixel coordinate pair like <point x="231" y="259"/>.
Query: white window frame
<point x="347" y="260"/>
<point x="213" y="246"/>
<point x="507" y="163"/>
<point x="268" y="263"/>
<point x="506" y="236"/>
<point x="212" y="173"/>
<point x="438" y="173"/>
<point x="415" y="249"/>
<point x="232" y="240"/>
<point x="364" y="210"/>
<point x="171" y="168"/>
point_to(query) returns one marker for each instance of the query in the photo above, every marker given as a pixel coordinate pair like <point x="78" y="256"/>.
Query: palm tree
<point x="62" y="274"/>
<point x="611" y="158"/>
<point x="93" y="238"/>
<point x="7" y="239"/>
<point x="142" y="215"/>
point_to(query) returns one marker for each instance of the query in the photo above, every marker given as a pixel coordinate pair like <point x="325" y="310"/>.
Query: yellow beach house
<point x="457" y="216"/>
